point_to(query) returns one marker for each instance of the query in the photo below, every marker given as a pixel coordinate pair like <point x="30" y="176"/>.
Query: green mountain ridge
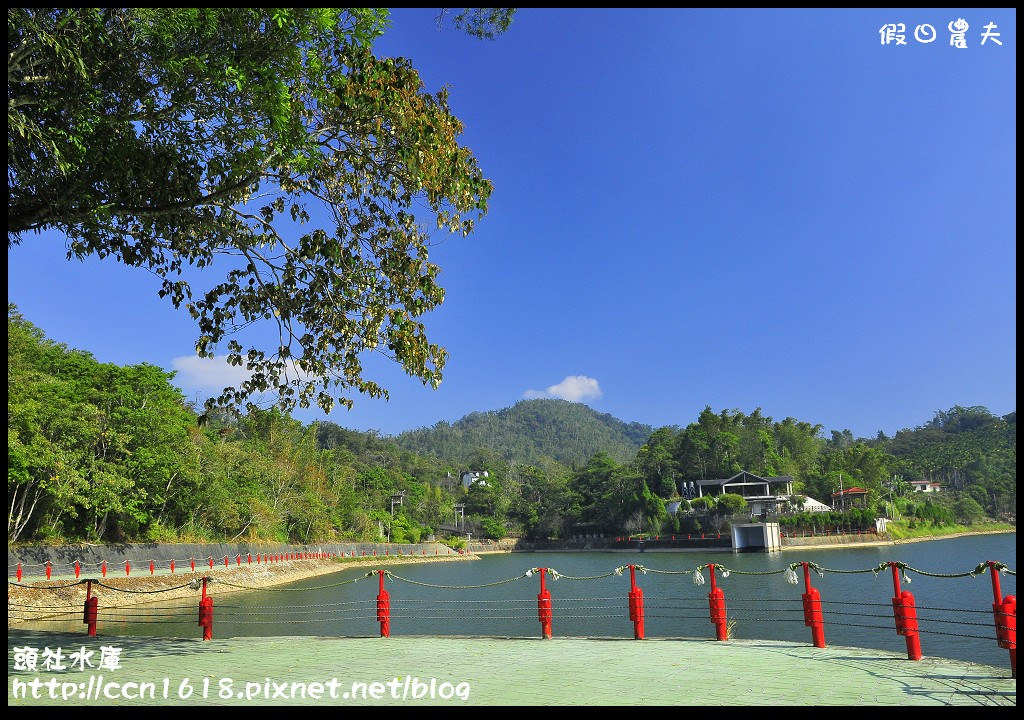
<point x="528" y="432"/>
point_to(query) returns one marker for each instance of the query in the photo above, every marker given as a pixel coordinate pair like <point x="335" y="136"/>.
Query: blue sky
<point x="736" y="208"/>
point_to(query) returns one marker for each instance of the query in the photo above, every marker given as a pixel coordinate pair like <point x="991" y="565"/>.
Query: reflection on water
<point x="955" y="614"/>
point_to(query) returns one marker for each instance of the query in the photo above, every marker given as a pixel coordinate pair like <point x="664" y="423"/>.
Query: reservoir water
<point x="955" y="613"/>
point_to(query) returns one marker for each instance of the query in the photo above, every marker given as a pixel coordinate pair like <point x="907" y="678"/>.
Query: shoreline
<point x="143" y="590"/>
<point x="900" y="541"/>
<point x="817" y="543"/>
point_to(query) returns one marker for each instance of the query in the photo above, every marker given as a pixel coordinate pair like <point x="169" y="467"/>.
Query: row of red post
<point x="277" y="557"/>
<point x="1004" y="610"/>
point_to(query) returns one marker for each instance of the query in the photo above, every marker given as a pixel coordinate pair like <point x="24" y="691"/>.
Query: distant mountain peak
<point x="530" y="430"/>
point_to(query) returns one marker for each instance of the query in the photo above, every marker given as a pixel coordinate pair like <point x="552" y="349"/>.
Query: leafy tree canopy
<point x="270" y="141"/>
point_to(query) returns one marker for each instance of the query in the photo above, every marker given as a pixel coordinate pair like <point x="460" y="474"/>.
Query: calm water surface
<point x="955" y="613"/>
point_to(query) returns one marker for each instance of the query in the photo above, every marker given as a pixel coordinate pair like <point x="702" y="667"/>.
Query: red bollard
<point x="812" y="610"/>
<point x="211" y="562"/>
<point x="127" y="567"/>
<point x="248" y="557"/>
<point x="19" y="572"/>
<point x="90" y="610"/>
<point x="383" y="608"/>
<point x="905" y="613"/>
<point x="206" y="614"/>
<point x="257" y="558"/>
<point x="225" y="561"/>
<point x="544" y="608"/>
<point x="193" y="560"/>
<point x="152" y="567"/>
<point x="636" y="605"/>
<point x="238" y="560"/>
<point x="716" y="604"/>
<point x="78" y="569"/>
<point x="1005" y="613"/>
<point x="104" y="566"/>
<point x="172" y="567"/>
<point x="48" y="569"/>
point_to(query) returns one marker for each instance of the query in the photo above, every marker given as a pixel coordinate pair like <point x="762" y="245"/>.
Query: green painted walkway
<point x="501" y="671"/>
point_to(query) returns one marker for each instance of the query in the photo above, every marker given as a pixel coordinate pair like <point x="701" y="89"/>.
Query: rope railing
<point x="902" y="614"/>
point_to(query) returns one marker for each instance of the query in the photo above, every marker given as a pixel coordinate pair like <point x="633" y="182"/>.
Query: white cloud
<point x="574" y="388"/>
<point x="208" y="373"/>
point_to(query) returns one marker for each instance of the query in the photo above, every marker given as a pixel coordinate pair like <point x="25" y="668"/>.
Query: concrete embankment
<point x="63" y="557"/>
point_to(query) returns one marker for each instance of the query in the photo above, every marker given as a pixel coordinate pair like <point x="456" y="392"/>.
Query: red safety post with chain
<point x="716" y="604"/>
<point x="19" y="572"/>
<point x="383" y="608"/>
<point x="206" y="614"/>
<point x="104" y="568"/>
<point x="48" y="569"/>
<point x="636" y="605"/>
<point x="152" y="567"/>
<point x="544" y="607"/>
<point x="1004" y="611"/>
<point x="172" y="567"/>
<point x="78" y="569"/>
<point x="812" y="610"/>
<point x="905" y="613"/>
<point x="91" y="609"/>
<point x="127" y="567"/>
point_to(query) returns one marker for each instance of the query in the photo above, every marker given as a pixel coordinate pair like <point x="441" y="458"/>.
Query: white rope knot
<point x="725" y="573"/>
<point x="791" y="577"/>
<point x="618" y="570"/>
<point x="554" y="574"/>
<point x="906" y="578"/>
<point x="529" y="573"/>
<point x="698" y="577"/>
<point x="642" y="569"/>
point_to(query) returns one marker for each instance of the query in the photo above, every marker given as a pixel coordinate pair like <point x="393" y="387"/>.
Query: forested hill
<point x="568" y="432"/>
